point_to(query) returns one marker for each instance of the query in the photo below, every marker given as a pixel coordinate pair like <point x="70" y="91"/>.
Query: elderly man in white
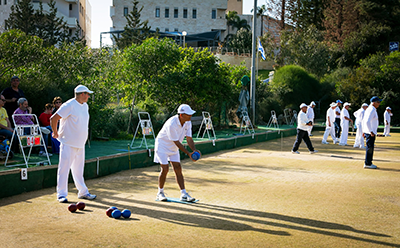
<point x="344" y="123"/>
<point x="310" y="116"/>
<point x="330" y="124"/>
<point x="370" y="128"/>
<point x="386" y="119"/>
<point x="302" y="131"/>
<point x="359" y="114"/>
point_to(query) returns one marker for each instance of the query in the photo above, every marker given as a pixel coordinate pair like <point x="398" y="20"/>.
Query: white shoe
<point x="372" y="166"/>
<point x="342" y="144"/>
<point x="335" y="142"/>
<point x="325" y="143"/>
<point x="388" y="135"/>
<point x="312" y="152"/>
<point x="296" y="152"/>
<point x="62" y="199"/>
<point x="88" y="196"/>
<point x="186" y="197"/>
<point x="161" y="196"/>
<point x="362" y="147"/>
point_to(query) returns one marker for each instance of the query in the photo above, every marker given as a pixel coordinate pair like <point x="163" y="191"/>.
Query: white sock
<point x="183" y="191"/>
<point x="160" y="190"/>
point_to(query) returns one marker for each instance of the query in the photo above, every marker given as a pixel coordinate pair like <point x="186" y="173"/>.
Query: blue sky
<point x="101" y="21"/>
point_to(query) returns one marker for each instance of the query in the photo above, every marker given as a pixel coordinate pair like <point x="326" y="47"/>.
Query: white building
<point x="192" y="16"/>
<point x="72" y="11"/>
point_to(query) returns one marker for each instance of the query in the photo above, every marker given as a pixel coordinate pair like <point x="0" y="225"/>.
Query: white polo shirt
<point x="170" y="132"/>
<point x="386" y="117"/>
<point x="302" y="120"/>
<point x="359" y="114"/>
<point x="345" y="113"/>
<point x="310" y="113"/>
<point x="370" y="121"/>
<point x="331" y="113"/>
<point x="74" y="123"/>
<point x="337" y="109"/>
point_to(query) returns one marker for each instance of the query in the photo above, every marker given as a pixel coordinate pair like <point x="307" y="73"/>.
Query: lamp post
<point x="184" y="33"/>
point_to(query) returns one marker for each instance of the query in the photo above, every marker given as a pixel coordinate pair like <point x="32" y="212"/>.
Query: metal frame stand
<point x="246" y="123"/>
<point x="147" y="129"/>
<point x="286" y="115"/>
<point x="207" y="126"/>
<point x="273" y="121"/>
<point x="32" y="139"/>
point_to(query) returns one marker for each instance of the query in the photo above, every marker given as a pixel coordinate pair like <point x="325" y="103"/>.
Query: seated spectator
<point x="28" y="120"/>
<point x="57" y="102"/>
<point x="44" y="118"/>
<point x="5" y="125"/>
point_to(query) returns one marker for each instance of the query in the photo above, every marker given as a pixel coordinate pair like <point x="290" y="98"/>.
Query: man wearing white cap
<point x="302" y="131"/>
<point x="330" y="124"/>
<point x="167" y="146"/>
<point x="344" y="123"/>
<point x="359" y="114"/>
<point x="370" y="129"/>
<point x="72" y="134"/>
<point x="310" y="116"/>
<point x="386" y="118"/>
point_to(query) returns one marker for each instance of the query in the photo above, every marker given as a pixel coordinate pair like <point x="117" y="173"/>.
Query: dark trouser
<point x="338" y="129"/>
<point x="369" y="150"/>
<point x="302" y="135"/>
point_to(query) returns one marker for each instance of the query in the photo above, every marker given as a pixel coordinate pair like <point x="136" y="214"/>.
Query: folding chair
<point x="208" y="126"/>
<point x="147" y="129"/>
<point x="29" y="136"/>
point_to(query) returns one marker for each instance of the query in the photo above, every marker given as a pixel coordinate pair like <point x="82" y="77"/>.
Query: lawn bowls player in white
<point x="167" y="146"/>
<point x="310" y="116"/>
<point x="344" y="123"/>
<point x="386" y="119"/>
<point x="370" y="129"/>
<point x="302" y="131"/>
<point x="359" y="114"/>
<point x="72" y="134"/>
<point x="330" y="124"/>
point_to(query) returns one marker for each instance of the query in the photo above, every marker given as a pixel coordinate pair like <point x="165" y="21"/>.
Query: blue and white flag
<point x="261" y="49"/>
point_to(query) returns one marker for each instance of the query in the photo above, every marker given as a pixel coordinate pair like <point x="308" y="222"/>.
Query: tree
<point x="310" y="12"/>
<point x="17" y="49"/>
<point x="22" y="17"/>
<point x="242" y="40"/>
<point x="305" y="48"/>
<point x="47" y="26"/>
<point x="135" y="31"/>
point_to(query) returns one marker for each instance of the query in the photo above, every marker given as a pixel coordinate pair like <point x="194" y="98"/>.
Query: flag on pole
<point x="261" y="49"/>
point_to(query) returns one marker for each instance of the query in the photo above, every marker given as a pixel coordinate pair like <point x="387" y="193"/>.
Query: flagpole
<point x="253" y="58"/>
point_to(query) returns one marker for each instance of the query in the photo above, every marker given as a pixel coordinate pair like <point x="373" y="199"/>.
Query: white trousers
<point x="345" y="132"/>
<point x="73" y="159"/>
<point x="359" y="142"/>
<point x="386" y="130"/>
<point x="329" y="130"/>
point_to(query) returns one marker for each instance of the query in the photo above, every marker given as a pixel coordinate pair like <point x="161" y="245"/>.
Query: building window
<point x="166" y="29"/>
<point x="5" y="2"/>
<point x="70" y="6"/>
<point x="176" y="13"/>
<point x="158" y="12"/>
<point x="194" y="13"/>
<point x="185" y="12"/>
<point x="166" y="12"/>
<point x="125" y="11"/>
<point x="214" y="14"/>
<point x="175" y="30"/>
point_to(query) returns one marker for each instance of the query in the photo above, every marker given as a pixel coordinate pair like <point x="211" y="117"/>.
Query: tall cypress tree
<point x="22" y="17"/>
<point x="135" y="31"/>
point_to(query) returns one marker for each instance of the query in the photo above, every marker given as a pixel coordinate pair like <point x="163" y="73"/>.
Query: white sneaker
<point x="62" y="199"/>
<point x="335" y="142"/>
<point x="372" y="166"/>
<point x="186" y="197"/>
<point x="161" y="196"/>
<point x="362" y="147"/>
<point x="295" y="152"/>
<point x="88" y="196"/>
<point x="342" y="144"/>
<point x="312" y="152"/>
<point x="325" y="143"/>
